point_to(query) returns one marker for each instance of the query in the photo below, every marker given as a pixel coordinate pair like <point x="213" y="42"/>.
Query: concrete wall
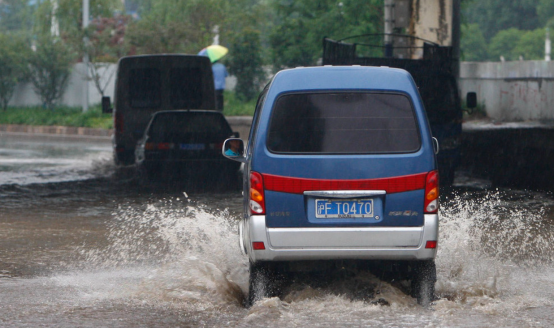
<point x="24" y="95"/>
<point x="511" y="91"/>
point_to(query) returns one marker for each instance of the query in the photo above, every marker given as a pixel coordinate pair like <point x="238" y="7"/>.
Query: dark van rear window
<point x="186" y="88"/>
<point x="145" y="88"/>
<point x="351" y="122"/>
<point x="179" y="125"/>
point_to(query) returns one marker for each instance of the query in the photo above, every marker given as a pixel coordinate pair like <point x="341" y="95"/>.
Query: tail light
<point x="164" y="146"/>
<point x="257" y="198"/>
<point x="158" y="146"/>
<point x="431" y="205"/>
<point x="118" y="122"/>
<point x="431" y="244"/>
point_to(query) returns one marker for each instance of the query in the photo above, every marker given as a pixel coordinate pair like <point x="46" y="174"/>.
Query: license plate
<point x="192" y="147"/>
<point x="343" y="208"/>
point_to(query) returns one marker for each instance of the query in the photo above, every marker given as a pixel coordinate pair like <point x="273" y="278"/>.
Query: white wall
<point x="24" y="95"/>
<point x="511" y="91"/>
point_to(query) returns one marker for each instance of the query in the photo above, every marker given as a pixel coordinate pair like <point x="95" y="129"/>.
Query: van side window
<point x="145" y="88"/>
<point x="186" y="88"/>
<point x="256" y="117"/>
<point x="343" y="122"/>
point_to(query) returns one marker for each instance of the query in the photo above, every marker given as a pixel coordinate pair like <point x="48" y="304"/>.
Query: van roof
<point x="343" y="77"/>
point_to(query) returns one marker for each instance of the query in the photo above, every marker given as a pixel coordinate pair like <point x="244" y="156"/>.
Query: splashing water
<point x="488" y="243"/>
<point x="176" y="251"/>
<point x="181" y="255"/>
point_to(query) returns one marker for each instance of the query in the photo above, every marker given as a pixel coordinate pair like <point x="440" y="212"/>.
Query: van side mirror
<point x="233" y="148"/>
<point x="471" y="100"/>
<point x="436" y="146"/>
<point x="106" y="105"/>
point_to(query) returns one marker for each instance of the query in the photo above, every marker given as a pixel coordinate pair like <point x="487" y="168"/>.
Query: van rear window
<point x="186" y="88"/>
<point x="145" y="88"/>
<point x="343" y="123"/>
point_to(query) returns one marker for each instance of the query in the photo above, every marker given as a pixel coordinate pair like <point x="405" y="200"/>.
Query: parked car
<point x="186" y="144"/>
<point x="340" y="165"/>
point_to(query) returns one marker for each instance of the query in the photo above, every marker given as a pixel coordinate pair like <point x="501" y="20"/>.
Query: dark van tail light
<point x="431" y="205"/>
<point x="257" y="198"/>
<point x="118" y="122"/>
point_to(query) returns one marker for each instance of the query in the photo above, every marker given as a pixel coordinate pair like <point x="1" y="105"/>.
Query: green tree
<point x="545" y="11"/>
<point x="473" y="44"/>
<point x="50" y="66"/>
<point x="300" y="26"/>
<point x="494" y="16"/>
<point x="246" y="64"/>
<point x="173" y="26"/>
<point x="16" y="15"/>
<point x="69" y="16"/>
<point x="104" y="47"/>
<point x="13" y="66"/>
<point x="530" y="46"/>
<point x="503" y="44"/>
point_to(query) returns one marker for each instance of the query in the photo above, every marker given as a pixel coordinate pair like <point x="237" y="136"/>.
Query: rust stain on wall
<point x="443" y="31"/>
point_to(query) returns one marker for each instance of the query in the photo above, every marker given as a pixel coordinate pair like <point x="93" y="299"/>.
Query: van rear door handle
<point x="345" y="194"/>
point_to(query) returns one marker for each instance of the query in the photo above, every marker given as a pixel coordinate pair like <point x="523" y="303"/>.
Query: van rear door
<point x="344" y="159"/>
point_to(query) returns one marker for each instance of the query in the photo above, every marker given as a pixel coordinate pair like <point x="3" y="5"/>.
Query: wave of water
<point x="494" y="269"/>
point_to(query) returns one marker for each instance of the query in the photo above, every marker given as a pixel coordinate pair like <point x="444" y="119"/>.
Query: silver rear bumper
<point x="384" y="243"/>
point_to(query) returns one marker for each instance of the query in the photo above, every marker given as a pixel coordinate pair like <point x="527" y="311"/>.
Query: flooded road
<point x="83" y="245"/>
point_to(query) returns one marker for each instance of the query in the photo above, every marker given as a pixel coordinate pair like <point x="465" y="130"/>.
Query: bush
<point x="234" y="106"/>
<point x="245" y="63"/>
<point x="50" y="66"/>
<point x="61" y="116"/>
<point x="13" y="66"/>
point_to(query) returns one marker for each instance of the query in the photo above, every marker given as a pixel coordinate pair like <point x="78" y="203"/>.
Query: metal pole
<point x="85" y="56"/>
<point x="547" y="46"/>
<point x="456" y="36"/>
<point x="389" y="25"/>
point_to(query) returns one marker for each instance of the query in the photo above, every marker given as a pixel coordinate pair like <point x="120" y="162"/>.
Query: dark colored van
<point x="150" y="83"/>
<point x="340" y="165"/>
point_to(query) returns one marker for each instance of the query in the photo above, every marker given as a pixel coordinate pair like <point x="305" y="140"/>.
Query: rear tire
<point x="264" y="282"/>
<point x="423" y="282"/>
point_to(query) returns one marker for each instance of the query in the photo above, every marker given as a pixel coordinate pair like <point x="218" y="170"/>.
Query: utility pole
<point x="547" y="46"/>
<point x="389" y="25"/>
<point x="85" y="55"/>
<point x="55" y="26"/>
<point x="456" y="36"/>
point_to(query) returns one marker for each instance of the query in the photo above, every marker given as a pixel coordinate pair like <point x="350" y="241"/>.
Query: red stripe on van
<point x="299" y="185"/>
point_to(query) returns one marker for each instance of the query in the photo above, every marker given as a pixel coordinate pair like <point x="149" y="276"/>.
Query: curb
<point x="57" y="130"/>
<point x="241" y="123"/>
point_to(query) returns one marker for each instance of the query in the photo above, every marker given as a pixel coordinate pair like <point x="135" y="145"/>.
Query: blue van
<point x="340" y="165"/>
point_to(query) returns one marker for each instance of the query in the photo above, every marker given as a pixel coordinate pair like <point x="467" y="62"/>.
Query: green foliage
<point x="473" y="43"/>
<point x="105" y="45"/>
<point x="15" y="15"/>
<point x="300" y="26"/>
<point x="50" y="66"/>
<point x="174" y="26"/>
<point x="246" y="64"/>
<point x="545" y="11"/>
<point x="531" y="45"/>
<point x="493" y="16"/>
<point x="503" y="44"/>
<point x="14" y="53"/>
<point x="61" y="116"/>
<point x="69" y="16"/>
<point x="234" y="106"/>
